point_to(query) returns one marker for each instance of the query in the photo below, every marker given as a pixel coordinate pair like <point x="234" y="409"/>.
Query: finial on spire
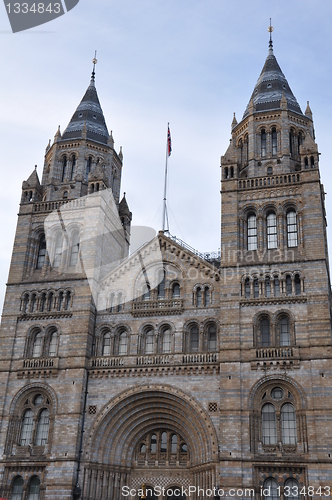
<point x="94" y="60"/>
<point x="270" y="29"/>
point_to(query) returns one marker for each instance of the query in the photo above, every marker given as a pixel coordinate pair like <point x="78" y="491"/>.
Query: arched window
<point x="297" y="283"/>
<point x="284" y="331"/>
<point x="271" y="228"/>
<point x="75" y="248"/>
<point x="288" y="424"/>
<point x="42" y="302"/>
<point x="33" y="302"/>
<point x="256" y="288"/>
<point x="267" y="287"/>
<point x="163" y="442"/>
<point x="41" y="251"/>
<point x="146" y="292"/>
<point x="269" y="424"/>
<point x="265" y="332"/>
<point x="270" y="489"/>
<point x="53" y="349"/>
<point x="161" y="286"/>
<point x="110" y="302"/>
<point x="25" y="302"/>
<point x="274" y="142"/>
<point x="67" y="300"/>
<point x="252" y="232"/>
<point x="149" y="342"/>
<point x="292" y="489"/>
<point x="176" y="291"/>
<point x="88" y="167"/>
<point x="291" y="142"/>
<point x="17" y="491"/>
<point x="50" y="301"/>
<point x="198" y="297"/>
<point x="37" y="345"/>
<point x="60" y="301"/>
<point x="174" y="443"/>
<point x="42" y="428"/>
<point x="64" y="168"/>
<point x="306" y="163"/>
<point x="193" y="338"/>
<point x="107" y="344"/>
<point x="263" y="143"/>
<point x="26" y="429"/>
<point x="276" y="283"/>
<point x="312" y="161"/>
<point x="166" y="340"/>
<point x="120" y="301"/>
<point x="34" y="489"/>
<point x="241" y="151"/>
<point x="288" y="285"/>
<point x="58" y="251"/>
<point x="206" y="296"/>
<point x="123" y="343"/>
<point x="291" y="229"/>
<point x="73" y="166"/>
<point x="153" y="444"/>
<point x="247" y="288"/>
<point x="212" y="337"/>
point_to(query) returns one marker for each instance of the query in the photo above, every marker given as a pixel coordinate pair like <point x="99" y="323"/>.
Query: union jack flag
<point x="169" y="142"/>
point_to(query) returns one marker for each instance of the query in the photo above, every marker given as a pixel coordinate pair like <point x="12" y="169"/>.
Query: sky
<point x="191" y="63"/>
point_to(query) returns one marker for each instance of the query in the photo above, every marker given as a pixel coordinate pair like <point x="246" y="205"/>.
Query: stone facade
<point x="167" y="367"/>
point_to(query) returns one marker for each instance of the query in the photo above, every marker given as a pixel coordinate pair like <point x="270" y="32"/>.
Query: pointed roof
<point x="270" y="86"/>
<point x="90" y="115"/>
<point x="32" y="181"/>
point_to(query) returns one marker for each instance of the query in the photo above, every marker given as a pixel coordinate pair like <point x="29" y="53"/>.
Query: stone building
<point x="170" y="368"/>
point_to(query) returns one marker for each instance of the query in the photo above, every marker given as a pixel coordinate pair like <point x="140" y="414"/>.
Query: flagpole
<point x="165" y="185"/>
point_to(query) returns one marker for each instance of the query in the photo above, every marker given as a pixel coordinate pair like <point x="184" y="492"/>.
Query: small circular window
<point x="38" y="400"/>
<point x="269" y="85"/>
<point x="80" y="115"/>
<point x="277" y="393"/>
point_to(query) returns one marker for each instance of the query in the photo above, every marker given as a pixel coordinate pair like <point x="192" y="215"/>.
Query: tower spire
<point x="270" y="29"/>
<point x="94" y="60"/>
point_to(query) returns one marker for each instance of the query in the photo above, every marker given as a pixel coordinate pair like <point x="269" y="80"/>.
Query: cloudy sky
<point x="190" y="62"/>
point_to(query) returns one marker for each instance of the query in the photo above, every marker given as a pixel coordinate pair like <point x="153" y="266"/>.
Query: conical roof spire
<point x="88" y="115"/>
<point x="270" y="86"/>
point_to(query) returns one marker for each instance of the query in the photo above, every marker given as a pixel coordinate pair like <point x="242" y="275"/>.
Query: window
<point x="174" y="443"/>
<point x="297" y="283"/>
<point x="123" y="341"/>
<point x="263" y="143"/>
<point x="166" y="340"/>
<point x="34" y="489"/>
<point x="75" y="248"/>
<point x="176" y="291"/>
<point x="271" y="228"/>
<point x="42" y="302"/>
<point x="276" y="287"/>
<point x="193" y="338"/>
<point x="149" y="342"/>
<point x="42" y="428"/>
<point x="163" y="442"/>
<point x="37" y="345"/>
<point x="33" y="302"/>
<point x="17" y="492"/>
<point x="153" y="445"/>
<point x="291" y="141"/>
<point x="64" y="168"/>
<point x="120" y="302"/>
<point x="206" y="296"/>
<point x="292" y="489"/>
<point x="265" y="332"/>
<point x="107" y="344"/>
<point x="271" y="489"/>
<point x="25" y="302"/>
<point x="269" y="424"/>
<point x="288" y="285"/>
<point x="161" y="445"/>
<point x="274" y="142"/>
<point x="252" y="232"/>
<point x="50" y="301"/>
<point x="291" y="229"/>
<point x="60" y="301"/>
<point x="41" y="252"/>
<point x="256" y="288"/>
<point x="267" y="288"/>
<point x="212" y="337"/>
<point x="146" y="292"/>
<point x="73" y="165"/>
<point x="288" y="424"/>
<point x="88" y="167"/>
<point x="58" y="251"/>
<point x="53" y="344"/>
<point x="67" y="300"/>
<point x="161" y="286"/>
<point x="247" y="288"/>
<point x="26" y="429"/>
<point x="198" y="297"/>
<point x="284" y="331"/>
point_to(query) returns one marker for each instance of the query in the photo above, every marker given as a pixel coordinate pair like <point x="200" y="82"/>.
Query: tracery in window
<point x="43" y="428"/>
<point x="288" y="424"/>
<point x="17" y="491"/>
<point x="34" y="489"/>
<point x="270" y="489"/>
<point x="27" y="428"/>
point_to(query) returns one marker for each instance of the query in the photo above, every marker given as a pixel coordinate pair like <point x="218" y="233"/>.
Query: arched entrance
<point x="155" y="434"/>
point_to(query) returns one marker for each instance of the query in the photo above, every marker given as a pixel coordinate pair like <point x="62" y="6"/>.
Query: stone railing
<point x="200" y="358"/>
<point x="272" y="180"/>
<point x="162" y="359"/>
<point x="269" y="357"/>
<point x="49" y="206"/>
<point x="157" y="307"/>
<point x="40" y="363"/>
<point x="104" y="361"/>
<point x="274" y="352"/>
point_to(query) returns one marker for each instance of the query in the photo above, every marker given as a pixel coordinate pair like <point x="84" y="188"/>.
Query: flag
<point x="169" y="142"/>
